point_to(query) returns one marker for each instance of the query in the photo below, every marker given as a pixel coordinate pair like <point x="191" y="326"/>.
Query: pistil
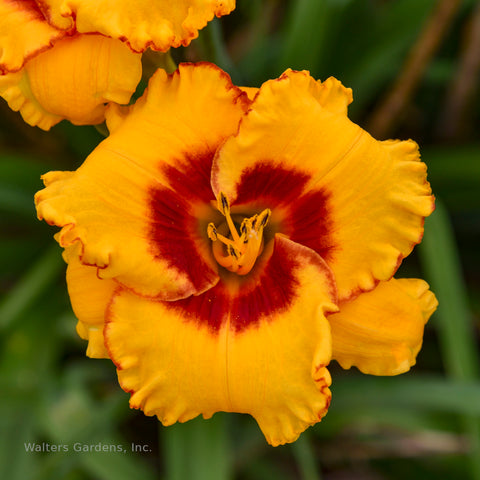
<point x="239" y="251"/>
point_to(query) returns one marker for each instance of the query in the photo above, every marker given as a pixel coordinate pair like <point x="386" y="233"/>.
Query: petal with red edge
<point x="250" y="91"/>
<point x="140" y="203"/>
<point x="57" y="13"/>
<point x="89" y="296"/>
<point x="358" y="202"/>
<point x="380" y="332"/>
<point x="73" y="81"/>
<point x="143" y="23"/>
<point x="261" y="349"/>
<point x="24" y="33"/>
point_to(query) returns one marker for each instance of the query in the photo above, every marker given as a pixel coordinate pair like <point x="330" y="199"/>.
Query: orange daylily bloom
<point x="66" y="60"/>
<point x="223" y="245"/>
<point x="142" y="24"/>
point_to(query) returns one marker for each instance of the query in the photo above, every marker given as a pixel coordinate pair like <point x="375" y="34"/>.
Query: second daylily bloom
<point x="66" y="60"/>
<point x="222" y="248"/>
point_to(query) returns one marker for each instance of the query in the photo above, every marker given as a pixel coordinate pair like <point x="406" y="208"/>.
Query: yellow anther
<point x="212" y="232"/>
<point x="245" y="229"/>
<point x="242" y="250"/>
<point x="224" y="207"/>
<point x="264" y="217"/>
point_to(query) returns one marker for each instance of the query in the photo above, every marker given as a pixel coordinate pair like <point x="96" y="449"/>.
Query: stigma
<point x="239" y="250"/>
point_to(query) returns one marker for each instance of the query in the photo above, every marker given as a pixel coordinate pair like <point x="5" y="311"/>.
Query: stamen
<point x="233" y="252"/>
<point x="265" y="217"/>
<point x="224" y="207"/>
<point x="245" y="229"/>
<point x="213" y="235"/>
<point x="212" y="232"/>
<point x="223" y="204"/>
<point x="242" y="250"/>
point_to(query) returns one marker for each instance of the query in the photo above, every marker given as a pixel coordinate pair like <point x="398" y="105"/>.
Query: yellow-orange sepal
<point x="89" y="296"/>
<point x="381" y="332"/>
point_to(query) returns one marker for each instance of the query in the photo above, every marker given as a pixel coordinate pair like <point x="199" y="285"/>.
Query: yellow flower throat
<point x="242" y="250"/>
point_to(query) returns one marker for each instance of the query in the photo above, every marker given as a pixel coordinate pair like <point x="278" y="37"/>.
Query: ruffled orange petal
<point x="139" y="204"/>
<point x="358" y="202"/>
<point x="250" y="91"/>
<point x="57" y="14"/>
<point x="89" y="296"/>
<point x="380" y="332"/>
<point x="261" y="349"/>
<point x="143" y="23"/>
<point x="73" y="80"/>
<point x="24" y="32"/>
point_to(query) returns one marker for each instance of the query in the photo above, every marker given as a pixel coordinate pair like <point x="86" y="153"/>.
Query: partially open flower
<point x="222" y="248"/>
<point x="67" y="59"/>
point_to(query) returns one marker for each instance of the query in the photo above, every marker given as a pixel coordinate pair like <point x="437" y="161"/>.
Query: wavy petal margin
<point x="381" y="332"/>
<point x="358" y="202"/>
<point x="176" y="367"/>
<point x="24" y="33"/>
<point x="89" y="296"/>
<point x="141" y="24"/>
<point x="135" y="203"/>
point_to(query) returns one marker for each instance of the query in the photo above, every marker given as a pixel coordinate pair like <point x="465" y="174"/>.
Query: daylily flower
<point x="224" y="244"/>
<point x="66" y="59"/>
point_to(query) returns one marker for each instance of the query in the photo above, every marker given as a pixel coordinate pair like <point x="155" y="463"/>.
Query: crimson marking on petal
<point x="175" y="232"/>
<point x="308" y="218"/>
<point x="269" y="289"/>
<point x="270" y="183"/>
<point x="191" y="177"/>
<point x="310" y="223"/>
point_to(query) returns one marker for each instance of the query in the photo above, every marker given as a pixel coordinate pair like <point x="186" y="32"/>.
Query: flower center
<point x="238" y="252"/>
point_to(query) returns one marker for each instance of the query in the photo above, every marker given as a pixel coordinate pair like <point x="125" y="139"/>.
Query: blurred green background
<point x="414" y="66"/>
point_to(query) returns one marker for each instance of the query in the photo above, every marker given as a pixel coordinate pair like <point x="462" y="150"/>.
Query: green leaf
<point x="32" y="285"/>
<point x="16" y="425"/>
<point x="197" y="449"/>
<point x="454" y="173"/>
<point x="355" y="393"/>
<point x="441" y="264"/>
<point x="377" y="43"/>
<point x="120" y="465"/>
<point x="305" y="34"/>
<point x="303" y="452"/>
